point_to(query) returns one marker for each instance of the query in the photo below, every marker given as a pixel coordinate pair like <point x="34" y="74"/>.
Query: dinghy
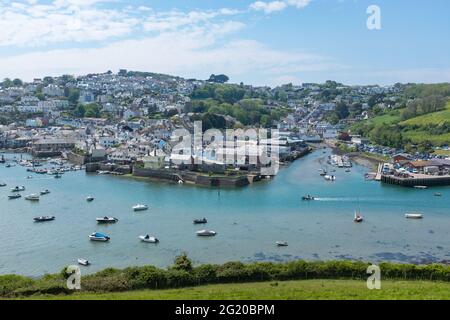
<point x="83" y="262"/>
<point x="414" y="216"/>
<point x="149" y="239"/>
<point x="140" y="207"/>
<point x="206" y="233"/>
<point x="44" y="218"/>
<point x="200" y="221"/>
<point x="107" y="220"/>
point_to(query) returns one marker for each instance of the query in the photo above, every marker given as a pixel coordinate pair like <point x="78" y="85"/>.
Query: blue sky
<point x="256" y="42"/>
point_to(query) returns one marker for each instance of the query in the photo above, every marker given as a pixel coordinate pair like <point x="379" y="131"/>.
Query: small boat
<point x="18" y="189"/>
<point x="358" y="218"/>
<point x="58" y="176"/>
<point x="8" y="165"/>
<point x="29" y="177"/>
<point x="348" y="170"/>
<point x="15" y="196"/>
<point x="200" y="221"/>
<point x="97" y="236"/>
<point x="329" y="177"/>
<point x="107" y="220"/>
<point x="420" y="187"/>
<point x="83" y="262"/>
<point x="2" y="184"/>
<point x="44" y="192"/>
<point x="44" y="218"/>
<point x="438" y="194"/>
<point x="308" y="198"/>
<point x="140" y="207"/>
<point x="90" y="199"/>
<point x="414" y="216"/>
<point x="206" y="233"/>
<point x="149" y="239"/>
<point x="32" y="197"/>
<point x="281" y="243"/>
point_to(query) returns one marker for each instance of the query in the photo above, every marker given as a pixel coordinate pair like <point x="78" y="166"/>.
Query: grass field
<point x="418" y="136"/>
<point x="286" y="290"/>
<point x="436" y="118"/>
<point x="389" y="118"/>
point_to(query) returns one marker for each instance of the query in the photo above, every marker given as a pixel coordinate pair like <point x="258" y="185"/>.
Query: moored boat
<point x="149" y="239"/>
<point x="438" y="194"/>
<point x="18" y="189"/>
<point x="83" y="262"/>
<point x="140" y="207"/>
<point x="2" y="184"/>
<point x="44" y="192"/>
<point x="90" y="199"/>
<point x="206" y="233"/>
<point x="97" y="236"/>
<point x="15" y="196"/>
<point x="413" y="215"/>
<point x="358" y="217"/>
<point x="200" y="221"/>
<point x="44" y="218"/>
<point x="281" y="243"/>
<point x="107" y="220"/>
<point x="32" y="197"/>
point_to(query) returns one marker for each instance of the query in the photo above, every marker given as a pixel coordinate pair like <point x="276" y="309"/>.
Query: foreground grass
<point x="284" y="290"/>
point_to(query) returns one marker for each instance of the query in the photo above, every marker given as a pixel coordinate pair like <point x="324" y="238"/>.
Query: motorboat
<point x="83" y="262"/>
<point x="44" y="192"/>
<point x="149" y="239"/>
<point x="18" y="189"/>
<point x="414" y="216"/>
<point x="32" y="197"/>
<point x="107" y="220"/>
<point x="281" y="243"/>
<point x="140" y="207"/>
<point x="90" y="199"/>
<point x="206" y="233"/>
<point x="308" y="198"/>
<point x="329" y="177"/>
<point x="44" y="218"/>
<point x="15" y="196"/>
<point x="200" y="221"/>
<point x="97" y="236"/>
<point x="358" y="217"/>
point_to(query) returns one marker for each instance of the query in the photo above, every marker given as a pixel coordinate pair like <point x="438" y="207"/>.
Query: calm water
<point x="248" y="220"/>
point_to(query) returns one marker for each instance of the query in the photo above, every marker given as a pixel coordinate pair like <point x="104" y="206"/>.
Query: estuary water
<point x="248" y="220"/>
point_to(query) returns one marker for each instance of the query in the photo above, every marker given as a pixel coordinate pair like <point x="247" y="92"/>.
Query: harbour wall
<point x="411" y="182"/>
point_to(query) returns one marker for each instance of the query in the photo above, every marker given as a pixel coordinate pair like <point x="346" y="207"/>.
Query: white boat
<point x="148" y="238"/>
<point x="18" y="189"/>
<point x="97" y="236"/>
<point x="89" y="199"/>
<point x="281" y="243"/>
<point x="107" y="220"/>
<point x="206" y="233"/>
<point x="83" y="262"/>
<point x="32" y="197"/>
<point x="358" y="217"/>
<point x="414" y="216"/>
<point x="44" y="192"/>
<point x="420" y="187"/>
<point x="44" y="219"/>
<point x="140" y="207"/>
<point x="329" y="177"/>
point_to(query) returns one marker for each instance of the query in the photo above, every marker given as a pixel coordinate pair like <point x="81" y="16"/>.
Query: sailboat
<point x="358" y="217"/>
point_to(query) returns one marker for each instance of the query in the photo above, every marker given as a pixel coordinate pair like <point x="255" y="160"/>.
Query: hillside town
<point x="126" y="120"/>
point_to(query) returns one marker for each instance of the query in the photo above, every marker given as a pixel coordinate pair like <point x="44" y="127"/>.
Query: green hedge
<point x="182" y="274"/>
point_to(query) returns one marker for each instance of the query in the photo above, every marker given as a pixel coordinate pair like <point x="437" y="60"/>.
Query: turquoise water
<point x="248" y="220"/>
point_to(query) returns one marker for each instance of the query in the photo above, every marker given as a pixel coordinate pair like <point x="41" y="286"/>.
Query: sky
<point x="267" y="42"/>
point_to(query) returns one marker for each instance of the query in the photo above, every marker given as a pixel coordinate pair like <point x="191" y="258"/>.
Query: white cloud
<point x="273" y="6"/>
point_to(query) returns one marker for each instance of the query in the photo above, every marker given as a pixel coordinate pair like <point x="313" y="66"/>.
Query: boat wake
<point x="343" y="199"/>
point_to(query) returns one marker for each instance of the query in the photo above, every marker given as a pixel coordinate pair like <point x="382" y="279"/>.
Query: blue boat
<point x="97" y="236"/>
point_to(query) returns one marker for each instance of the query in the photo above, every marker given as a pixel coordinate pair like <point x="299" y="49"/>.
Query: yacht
<point x="206" y="233"/>
<point x="44" y="218"/>
<point x="414" y="216"/>
<point x="15" y="196"/>
<point x="83" y="262"/>
<point x="97" y="236"/>
<point x="358" y="217"/>
<point x="140" y="207"/>
<point x="32" y="197"/>
<point x="107" y="220"/>
<point x="44" y="192"/>
<point x="18" y="189"/>
<point x="148" y="238"/>
<point x="200" y="221"/>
